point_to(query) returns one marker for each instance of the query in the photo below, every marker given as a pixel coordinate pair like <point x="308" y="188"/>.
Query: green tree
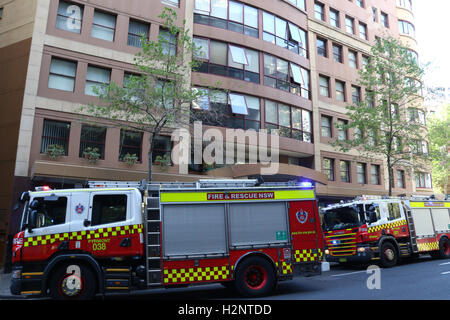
<point x="160" y="95"/>
<point x="385" y="123"/>
<point x="439" y="137"/>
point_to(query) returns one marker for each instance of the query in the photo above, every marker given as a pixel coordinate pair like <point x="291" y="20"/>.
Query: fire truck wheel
<point x="388" y="255"/>
<point x="72" y="281"/>
<point x="255" y="277"/>
<point x="444" y="248"/>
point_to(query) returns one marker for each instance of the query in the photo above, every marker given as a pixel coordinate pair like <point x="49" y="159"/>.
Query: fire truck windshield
<point x="344" y="217"/>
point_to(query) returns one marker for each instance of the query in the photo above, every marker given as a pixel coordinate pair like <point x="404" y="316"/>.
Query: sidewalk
<point x="5" y="281"/>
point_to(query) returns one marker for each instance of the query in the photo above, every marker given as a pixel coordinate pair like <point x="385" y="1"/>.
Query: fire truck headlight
<point x="362" y="249"/>
<point x="327" y="251"/>
<point x="16" y="274"/>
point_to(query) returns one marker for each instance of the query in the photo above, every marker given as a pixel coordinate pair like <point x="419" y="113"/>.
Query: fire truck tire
<point x="388" y="255"/>
<point x="72" y="281"/>
<point x="444" y="248"/>
<point x="255" y="277"/>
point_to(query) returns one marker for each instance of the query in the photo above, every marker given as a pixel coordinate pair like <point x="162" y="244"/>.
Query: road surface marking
<point x="346" y="274"/>
<point x="446" y="272"/>
<point x="442" y="264"/>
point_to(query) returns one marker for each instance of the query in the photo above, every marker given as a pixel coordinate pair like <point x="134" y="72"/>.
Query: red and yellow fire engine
<point x="376" y="229"/>
<point x="117" y="237"/>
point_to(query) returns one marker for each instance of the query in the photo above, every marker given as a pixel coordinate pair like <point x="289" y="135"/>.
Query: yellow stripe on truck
<point x="430" y="204"/>
<point x="168" y="197"/>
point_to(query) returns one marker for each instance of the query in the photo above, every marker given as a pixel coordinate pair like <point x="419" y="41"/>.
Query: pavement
<point x="5" y="281"/>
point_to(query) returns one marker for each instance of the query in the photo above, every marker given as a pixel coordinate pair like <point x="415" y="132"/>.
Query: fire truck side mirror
<point x="32" y="220"/>
<point x="372" y="216"/>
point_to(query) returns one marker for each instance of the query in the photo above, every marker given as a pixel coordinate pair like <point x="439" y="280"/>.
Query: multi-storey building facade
<point x="300" y="71"/>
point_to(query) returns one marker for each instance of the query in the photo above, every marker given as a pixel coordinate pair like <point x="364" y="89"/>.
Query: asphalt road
<point x="419" y="279"/>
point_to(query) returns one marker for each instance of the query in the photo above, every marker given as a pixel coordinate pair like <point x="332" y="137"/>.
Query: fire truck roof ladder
<point x="153" y="238"/>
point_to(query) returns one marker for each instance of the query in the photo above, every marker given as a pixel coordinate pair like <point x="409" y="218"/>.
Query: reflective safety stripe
<point x="82" y="235"/>
<point x="307" y="255"/>
<point x="286" y="268"/>
<point x="168" y="197"/>
<point x="387" y="225"/>
<point x="430" y="204"/>
<point x="197" y="274"/>
<point x="428" y="246"/>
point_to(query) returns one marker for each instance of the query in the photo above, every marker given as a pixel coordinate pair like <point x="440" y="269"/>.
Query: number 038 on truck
<point x="376" y="229"/>
<point x="116" y="237"/>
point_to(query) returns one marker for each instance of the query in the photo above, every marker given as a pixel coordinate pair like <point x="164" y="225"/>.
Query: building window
<point x="103" y="26"/>
<point x="225" y="14"/>
<point x="322" y="47"/>
<point x="337" y="53"/>
<point x="405" y="4"/>
<point x="232" y="110"/>
<point x="284" y="34"/>
<point x="400" y="179"/>
<point x="92" y="137"/>
<point x="62" y="74"/>
<point x="375" y="174"/>
<point x="162" y="147"/>
<point x="374" y="14"/>
<point x="365" y="60"/>
<point x="342" y="133"/>
<point x="423" y="180"/>
<point x="319" y="12"/>
<point x="96" y="78"/>
<point x="328" y="168"/>
<point x="299" y="3"/>
<point x="334" y="18"/>
<point x="130" y="143"/>
<point x="352" y="59"/>
<point x="136" y="29"/>
<point x="326" y="126"/>
<point x="362" y="30"/>
<point x="349" y="25"/>
<point x="324" y="84"/>
<point x="168" y="42"/>
<point x="406" y="27"/>
<point x="174" y="3"/>
<point x="384" y="20"/>
<point x="227" y="60"/>
<point x="361" y="173"/>
<point x="69" y="17"/>
<point x="1" y="12"/>
<point x="55" y="133"/>
<point x="356" y="94"/>
<point x="292" y="122"/>
<point x="344" y="170"/>
<point x="340" y="90"/>
<point x="360" y="3"/>
<point x="287" y="76"/>
<point x="417" y="115"/>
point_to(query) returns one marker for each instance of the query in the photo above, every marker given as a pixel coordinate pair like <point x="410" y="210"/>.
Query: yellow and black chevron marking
<point x="196" y="274"/>
<point x="82" y="235"/>
<point x="387" y="226"/>
<point x="286" y="268"/>
<point x="307" y="255"/>
<point x="429" y="246"/>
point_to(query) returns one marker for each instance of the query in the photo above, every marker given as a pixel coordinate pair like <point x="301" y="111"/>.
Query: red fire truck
<point x="117" y="237"/>
<point x="384" y="230"/>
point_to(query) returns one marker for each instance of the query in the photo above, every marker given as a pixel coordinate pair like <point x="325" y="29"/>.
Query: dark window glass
<point x="130" y="143"/>
<point x="55" y="133"/>
<point x="93" y="137"/>
<point x="108" y="209"/>
<point x="50" y="212"/>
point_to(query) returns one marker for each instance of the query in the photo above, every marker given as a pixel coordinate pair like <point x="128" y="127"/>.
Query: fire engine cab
<point x="384" y="230"/>
<point x="122" y="236"/>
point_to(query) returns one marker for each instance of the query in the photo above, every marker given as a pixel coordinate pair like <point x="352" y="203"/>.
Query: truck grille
<point x="341" y="244"/>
